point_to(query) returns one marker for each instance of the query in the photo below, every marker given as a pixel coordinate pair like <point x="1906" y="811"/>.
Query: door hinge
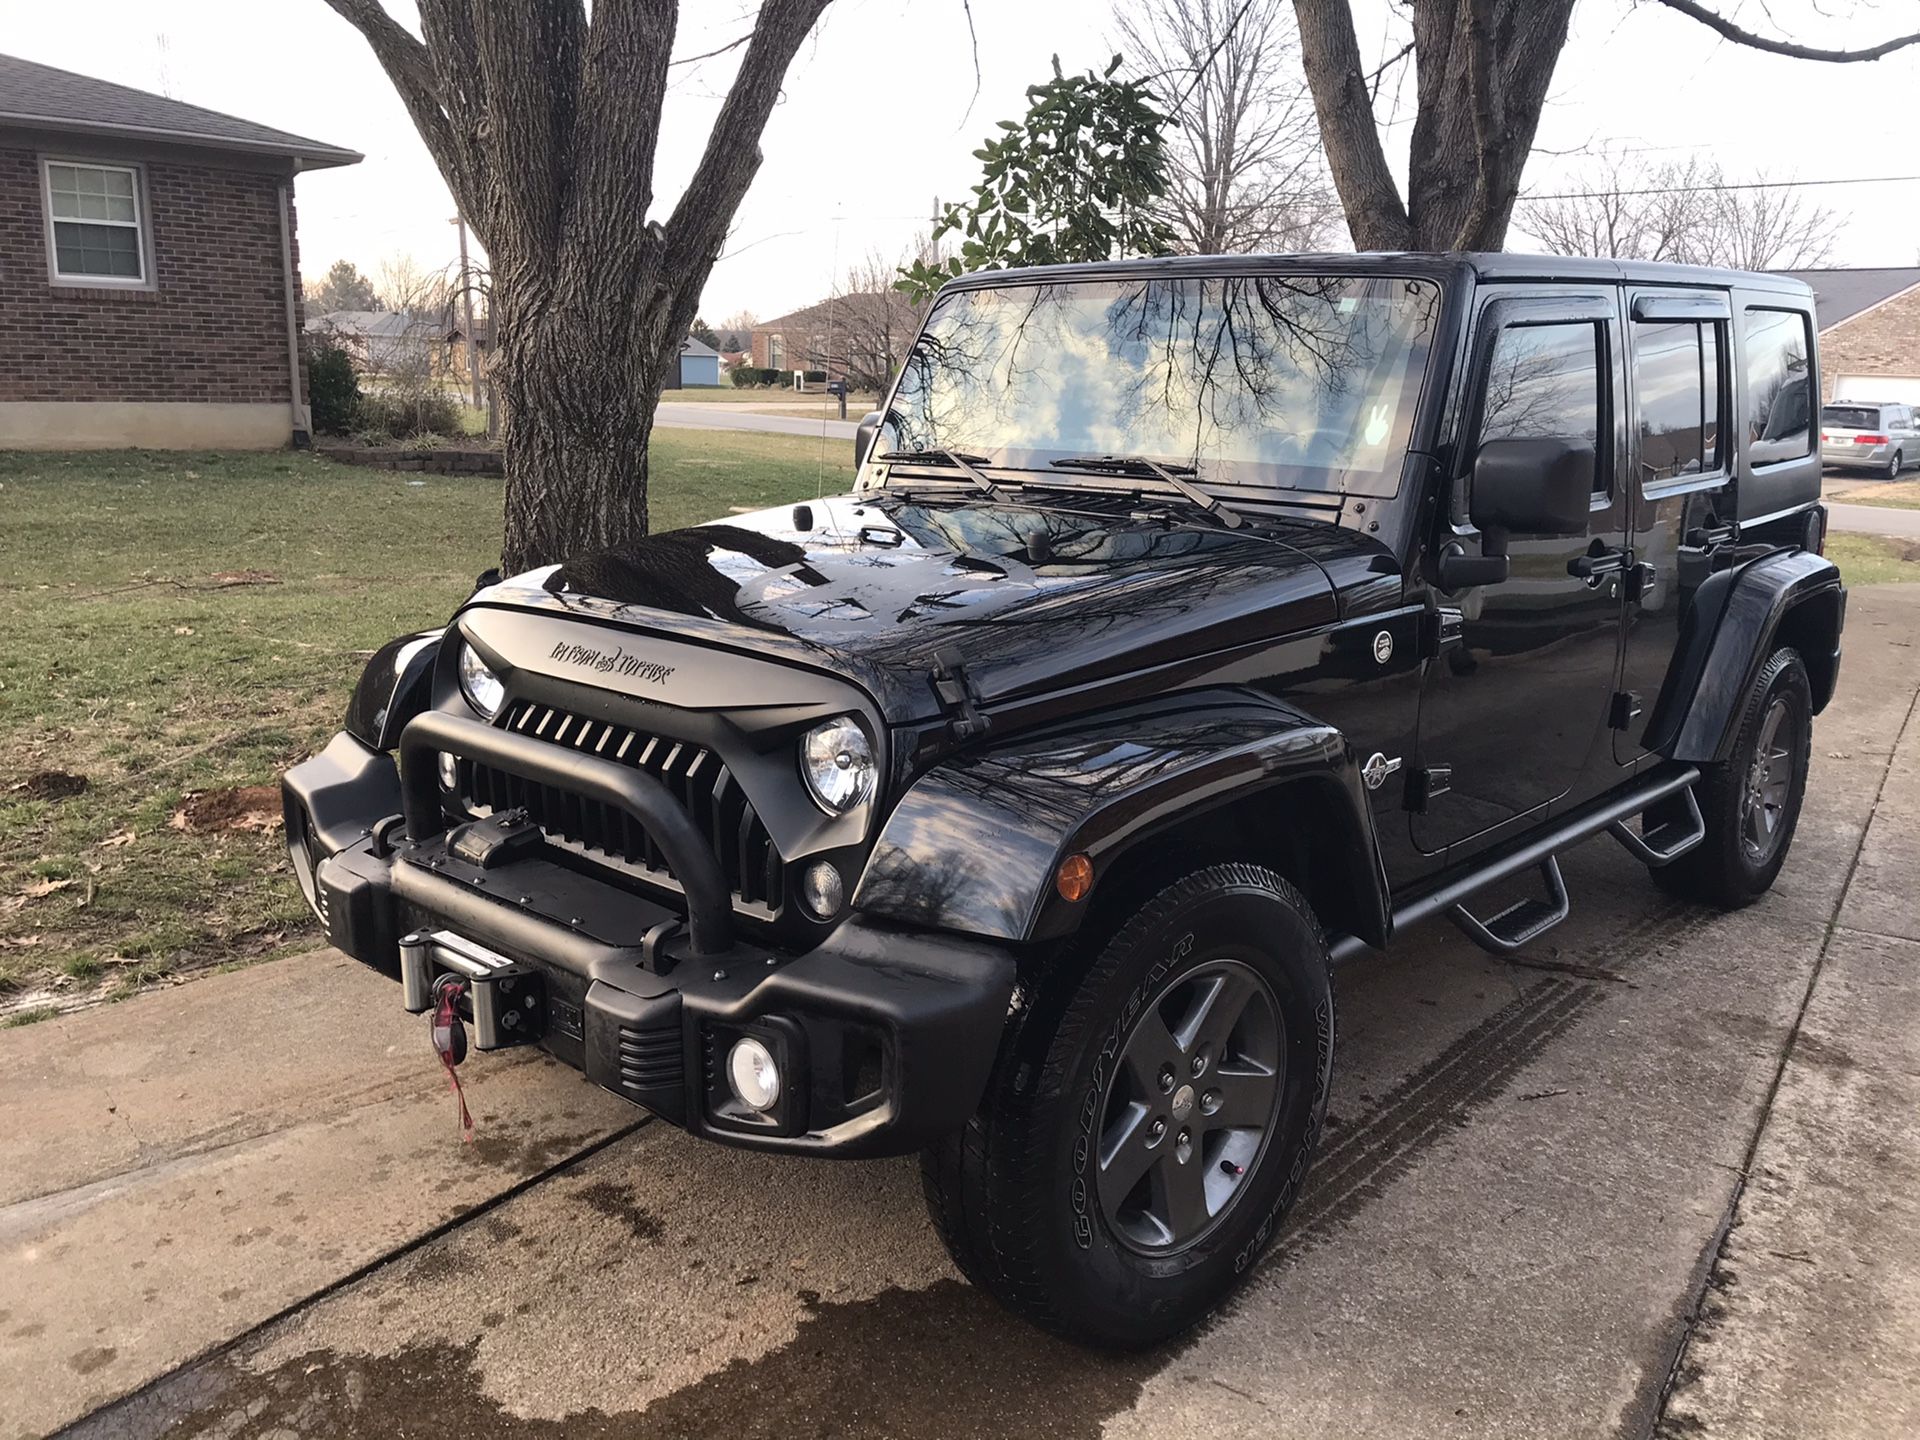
<point x="955" y="691"/>
<point x="1427" y="784"/>
<point x="1440" y="628"/>
<point x="1624" y="710"/>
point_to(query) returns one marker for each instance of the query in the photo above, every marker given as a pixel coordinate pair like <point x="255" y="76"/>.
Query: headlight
<point x="837" y="762"/>
<point x="481" y="685"/>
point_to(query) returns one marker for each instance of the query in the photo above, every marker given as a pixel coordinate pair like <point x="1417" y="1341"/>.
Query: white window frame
<point x="143" y="234"/>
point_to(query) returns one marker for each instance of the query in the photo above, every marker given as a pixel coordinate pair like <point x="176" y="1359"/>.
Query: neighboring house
<point x="1869" y="322"/>
<point x="699" y="363"/>
<point x="383" y="341"/>
<point x="149" y="290"/>
<point x="862" y="336"/>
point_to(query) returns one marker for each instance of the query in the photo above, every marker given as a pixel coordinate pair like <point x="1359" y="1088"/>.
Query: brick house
<point x="1869" y="322"/>
<point x="149" y="290"/>
<point x="862" y="336"/>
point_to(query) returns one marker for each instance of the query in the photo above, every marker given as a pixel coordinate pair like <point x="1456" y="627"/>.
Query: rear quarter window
<point x="1778" y="350"/>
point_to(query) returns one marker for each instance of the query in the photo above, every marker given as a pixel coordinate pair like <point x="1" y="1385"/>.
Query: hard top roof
<point x="1493" y="266"/>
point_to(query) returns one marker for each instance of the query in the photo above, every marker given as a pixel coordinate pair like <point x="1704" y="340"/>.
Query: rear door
<point x="1510" y="718"/>
<point x="1680" y="483"/>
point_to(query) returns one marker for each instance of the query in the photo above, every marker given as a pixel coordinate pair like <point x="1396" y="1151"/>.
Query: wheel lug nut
<point x="1166" y="1079"/>
<point x="1183" y="1147"/>
<point x="1156" y="1129"/>
<point x="1210" y="1101"/>
<point x="1199" y="1065"/>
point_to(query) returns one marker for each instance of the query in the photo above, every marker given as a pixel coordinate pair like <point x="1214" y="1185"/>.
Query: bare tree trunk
<point x="544" y="122"/>
<point x="1483" y="68"/>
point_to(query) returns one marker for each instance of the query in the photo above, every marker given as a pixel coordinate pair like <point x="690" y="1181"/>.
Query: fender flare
<point x="396" y="686"/>
<point x="974" y="844"/>
<point x="1737" y="617"/>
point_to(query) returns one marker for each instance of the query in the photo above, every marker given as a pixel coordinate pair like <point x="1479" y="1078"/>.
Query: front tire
<point x="1751" y="800"/>
<point x="1150" y="1117"/>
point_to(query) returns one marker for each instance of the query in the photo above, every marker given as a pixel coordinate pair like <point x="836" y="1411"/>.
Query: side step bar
<point x="1538" y="851"/>
<point x="1520" y="923"/>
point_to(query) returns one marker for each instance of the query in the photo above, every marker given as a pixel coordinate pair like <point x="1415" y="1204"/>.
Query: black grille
<point x="694" y="775"/>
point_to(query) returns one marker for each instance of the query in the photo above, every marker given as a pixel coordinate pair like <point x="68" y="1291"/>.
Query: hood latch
<point x="957" y="696"/>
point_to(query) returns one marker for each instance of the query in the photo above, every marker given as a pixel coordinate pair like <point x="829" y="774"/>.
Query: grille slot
<point x="607" y="835"/>
<point x="650" y="1057"/>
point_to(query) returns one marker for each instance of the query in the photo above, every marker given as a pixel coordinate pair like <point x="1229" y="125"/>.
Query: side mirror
<point x="863" y="436"/>
<point x="1537" y="487"/>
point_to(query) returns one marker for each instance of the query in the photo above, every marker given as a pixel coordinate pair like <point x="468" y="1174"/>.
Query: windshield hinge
<point x="957" y="696"/>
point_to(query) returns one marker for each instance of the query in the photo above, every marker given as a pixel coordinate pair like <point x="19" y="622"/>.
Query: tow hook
<point x="449" y="1035"/>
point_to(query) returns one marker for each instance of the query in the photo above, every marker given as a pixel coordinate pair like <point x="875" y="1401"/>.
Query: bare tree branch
<point x="1725" y="27"/>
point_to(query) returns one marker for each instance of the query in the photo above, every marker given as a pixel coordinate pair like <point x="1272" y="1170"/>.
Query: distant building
<point x="149" y="269"/>
<point x="1869" y="322"/>
<point x="861" y="337"/>
<point x="699" y="363"/>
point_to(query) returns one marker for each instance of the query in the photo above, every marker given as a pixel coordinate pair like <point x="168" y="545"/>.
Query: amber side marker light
<point x="1074" y="878"/>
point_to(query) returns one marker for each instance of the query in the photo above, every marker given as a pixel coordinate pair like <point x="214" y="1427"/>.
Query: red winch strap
<point x="446" y="1015"/>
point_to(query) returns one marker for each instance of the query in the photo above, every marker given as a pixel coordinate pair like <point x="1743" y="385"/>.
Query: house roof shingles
<point x="42" y="97"/>
<point x="1842" y="294"/>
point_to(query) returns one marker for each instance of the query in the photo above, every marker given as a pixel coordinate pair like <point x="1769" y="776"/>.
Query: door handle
<point x="1598" y="562"/>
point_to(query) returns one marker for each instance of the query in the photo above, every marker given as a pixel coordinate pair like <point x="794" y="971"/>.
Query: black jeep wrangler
<point x="1192" y="625"/>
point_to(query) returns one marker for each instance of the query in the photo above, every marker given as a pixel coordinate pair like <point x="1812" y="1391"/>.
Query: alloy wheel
<point x="1769" y="782"/>
<point x="1190" y="1105"/>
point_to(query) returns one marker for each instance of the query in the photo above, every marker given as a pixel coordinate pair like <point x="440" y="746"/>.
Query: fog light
<point x="449" y="771"/>
<point x="823" y="889"/>
<point x="752" y="1075"/>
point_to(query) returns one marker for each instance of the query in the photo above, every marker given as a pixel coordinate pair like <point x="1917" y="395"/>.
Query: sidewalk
<point x="1811" y="1326"/>
<point x="172" y="1177"/>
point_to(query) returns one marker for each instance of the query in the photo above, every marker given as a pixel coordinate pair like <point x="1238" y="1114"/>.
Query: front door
<point x="1512" y="715"/>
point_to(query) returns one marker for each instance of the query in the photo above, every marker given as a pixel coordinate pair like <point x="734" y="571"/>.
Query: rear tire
<point x="1895" y="465"/>
<point x="1118" y="1181"/>
<point x="1751" y="800"/>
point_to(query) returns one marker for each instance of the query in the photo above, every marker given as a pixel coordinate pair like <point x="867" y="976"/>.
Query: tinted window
<point x="1676" y="381"/>
<point x="1544" y="383"/>
<point x="1779" y="351"/>
<point x="1849" y="417"/>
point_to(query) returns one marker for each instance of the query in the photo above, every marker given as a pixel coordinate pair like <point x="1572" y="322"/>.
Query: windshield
<point x="1302" y="381"/>
<point x="1850" y="417"/>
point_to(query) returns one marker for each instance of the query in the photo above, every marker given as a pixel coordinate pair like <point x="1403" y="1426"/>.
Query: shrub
<point x="406" y="416"/>
<point x="754" y="375"/>
<point x="333" y="390"/>
<point x="813" y="377"/>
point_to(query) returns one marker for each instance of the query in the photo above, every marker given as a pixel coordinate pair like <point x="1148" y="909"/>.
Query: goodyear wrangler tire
<point x="1151" y="1115"/>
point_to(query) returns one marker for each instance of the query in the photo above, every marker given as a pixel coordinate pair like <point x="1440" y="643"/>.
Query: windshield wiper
<point x="1172" y="476"/>
<point x="953" y="460"/>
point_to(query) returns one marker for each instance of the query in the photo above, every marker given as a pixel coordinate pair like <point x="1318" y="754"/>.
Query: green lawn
<point x="188" y="622"/>
<point x="1873" y="559"/>
<point x="763" y="395"/>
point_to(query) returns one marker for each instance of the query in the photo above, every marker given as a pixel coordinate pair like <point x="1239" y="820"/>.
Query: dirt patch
<point x="52" y="785"/>
<point x="241" y="807"/>
<point x="228" y="579"/>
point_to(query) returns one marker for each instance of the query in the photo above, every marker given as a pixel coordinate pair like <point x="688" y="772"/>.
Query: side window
<point x="1779" y="359"/>
<point x="1544" y="382"/>
<point x="1676" y="382"/>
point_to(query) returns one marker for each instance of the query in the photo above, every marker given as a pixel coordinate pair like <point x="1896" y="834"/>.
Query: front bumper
<point x="884" y="1036"/>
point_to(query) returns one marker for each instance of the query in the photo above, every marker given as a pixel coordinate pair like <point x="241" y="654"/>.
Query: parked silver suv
<point x="1863" y="434"/>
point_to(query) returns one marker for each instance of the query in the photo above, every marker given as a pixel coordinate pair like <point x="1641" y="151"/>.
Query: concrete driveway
<point x="1659" y="1174"/>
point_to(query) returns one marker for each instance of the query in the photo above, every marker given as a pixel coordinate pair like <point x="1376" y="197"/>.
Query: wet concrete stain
<point x="618" y="1202"/>
<point x="93" y="1358"/>
<point x="996" y="1377"/>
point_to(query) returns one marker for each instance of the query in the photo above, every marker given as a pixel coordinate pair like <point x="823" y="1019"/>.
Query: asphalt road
<point x="1874" y="520"/>
<point x="1657" y="1173"/>
<point x="721" y="416"/>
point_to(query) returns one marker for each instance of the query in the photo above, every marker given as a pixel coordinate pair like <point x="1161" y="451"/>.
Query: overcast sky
<point x="880" y="114"/>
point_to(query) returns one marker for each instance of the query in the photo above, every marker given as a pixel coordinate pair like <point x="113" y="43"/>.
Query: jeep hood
<point x="1029" y="598"/>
